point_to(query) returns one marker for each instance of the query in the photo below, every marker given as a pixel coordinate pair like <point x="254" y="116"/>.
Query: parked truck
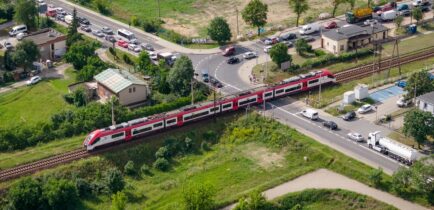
<point x="168" y="57"/>
<point x="389" y="15"/>
<point x="391" y="148"/>
<point x="358" y="15"/>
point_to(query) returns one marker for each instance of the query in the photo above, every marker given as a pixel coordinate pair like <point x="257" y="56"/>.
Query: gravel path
<point x="325" y="179"/>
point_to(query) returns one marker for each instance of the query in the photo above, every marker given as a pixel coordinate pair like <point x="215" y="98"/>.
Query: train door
<point x="128" y="135"/>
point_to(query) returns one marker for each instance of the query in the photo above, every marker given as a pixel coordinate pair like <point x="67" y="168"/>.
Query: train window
<point x="171" y="121"/>
<point x="141" y="130"/>
<point x="247" y="101"/>
<point x="313" y="81"/>
<point x="200" y="114"/>
<point x="330" y="76"/>
<point x="214" y="109"/>
<point x="96" y="140"/>
<point x="117" y="135"/>
<point x="268" y="94"/>
<point x="279" y="91"/>
<point x="158" y="125"/>
<point x="293" y="88"/>
<point x="226" y="106"/>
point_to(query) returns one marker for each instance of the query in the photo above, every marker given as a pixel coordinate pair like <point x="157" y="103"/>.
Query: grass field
<point x="242" y="161"/>
<point x="32" y="104"/>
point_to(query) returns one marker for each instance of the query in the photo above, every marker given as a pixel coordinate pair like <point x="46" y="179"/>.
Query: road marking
<point x="225" y="83"/>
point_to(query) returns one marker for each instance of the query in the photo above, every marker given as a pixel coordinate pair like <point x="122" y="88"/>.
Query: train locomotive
<point x="144" y="126"/>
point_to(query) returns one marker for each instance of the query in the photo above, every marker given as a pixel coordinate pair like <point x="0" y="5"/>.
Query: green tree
<point x="80" y="97"/>
<point x="336" y="4"/>
<point x="418" y="84"/>
<point x="376" y="176"/>
<point x="419" y="125"/>
<point x="219" y="31"/>
<point x="298" y="7"/>
<point x="129" y="168"/>
<point x="25" y="194"/>
<point x="180" y="76"/>
<point x="255" y="14"/>
<point x="119" y="201"/>
<point x="145" y="64"/>
<point x="79" y="52"/>
<point x="8" y="60"/>
<point x="26" y="13"/>
<point x="279" y="54"/>
<point x="197" y="197"/>
<point x="401" y="179"/>
<point x="301" y="47"/>
<point x="255" y="201"/>
<point x="73" y="35"/>
<point x="25" y="54"/>
<point x="417" y="14"/>
<point x="145" y="170"/>
<point x="115" y="180"/>
<point x="161" y="164"/>
<point x="352" y="3"/>
<point x="60" y="194"/>
<point x="398" y="21"/>
<point x="162" y="152"/>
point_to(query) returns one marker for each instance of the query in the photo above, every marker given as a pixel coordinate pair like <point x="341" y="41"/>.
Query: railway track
<point x="42" y="164"/>
<point x="369" y="69"/>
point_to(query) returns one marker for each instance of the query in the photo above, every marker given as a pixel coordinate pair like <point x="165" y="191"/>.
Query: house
<point x="52" y="44"/>
<point x="350" y="37"/>
<point x="425" y="102"/>
<point x="129" y="89"/>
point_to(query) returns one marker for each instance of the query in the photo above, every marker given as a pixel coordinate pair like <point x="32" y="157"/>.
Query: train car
<point x="144" y="126"/>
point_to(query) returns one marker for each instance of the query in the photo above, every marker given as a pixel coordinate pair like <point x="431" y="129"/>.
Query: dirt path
<point x="325" y="179"/>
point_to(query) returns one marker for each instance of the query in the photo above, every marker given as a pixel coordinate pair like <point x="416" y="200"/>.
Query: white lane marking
<point x="225" y="83"/>
<point x="379" y="154"/>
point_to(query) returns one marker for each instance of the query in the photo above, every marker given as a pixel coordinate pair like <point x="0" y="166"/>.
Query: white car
<point x="370" y="21"/>
<point x="402" y="102"/>
<point x="153" y="55"/>
<point x="355" y="136"/>
<point x="33" y="80"/>
<point x="132" y="47"/>
<point x="267" y="49"/>
<point x="134" y="41"/>
<point x="365" y="108"/>
<point x="249" y="55"/>
<point x="20" y="36"/>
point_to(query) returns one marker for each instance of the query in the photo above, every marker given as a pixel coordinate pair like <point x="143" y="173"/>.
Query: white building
<point x="51" y="44"/>
<point x="425" y="102"/>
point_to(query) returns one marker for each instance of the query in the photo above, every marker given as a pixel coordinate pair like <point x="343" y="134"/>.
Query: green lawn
<point x="242" y="161"/>
<point x="32" y="104"/>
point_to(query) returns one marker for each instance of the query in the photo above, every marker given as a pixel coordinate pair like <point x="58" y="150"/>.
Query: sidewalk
<point x="325" y="179"/>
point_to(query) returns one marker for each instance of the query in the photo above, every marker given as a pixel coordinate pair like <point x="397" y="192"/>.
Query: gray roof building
<point x="350" y="31"/>
<point x="117" y="80"/>
<point x="425" y="102"/>
<point x="427" y="98"/>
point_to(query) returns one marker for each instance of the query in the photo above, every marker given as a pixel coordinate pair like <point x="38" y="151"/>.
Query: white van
<point x="310" y="113"/>
<point x="389" y="15"/>
<point x="309" y="28"/>
<point x="17" y="29"/>
<point x="69" y="19"/>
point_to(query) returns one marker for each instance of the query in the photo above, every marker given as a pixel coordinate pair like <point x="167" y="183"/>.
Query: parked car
<point x="233" y="60"/>
<point x="134" y="41"/>
<point x="267" y="49"/>
<point x="8" y="45"/>
<point x="60" y="17"/>
<point x="288" y="43"/>
<point x="308" y="38"/>
<point x="288" y="36"/>
<point x="349" y="116"/>
<point x="60" y="10"/>
<point x="153" y="55"/>
<point x="20" y="36"/>
<point x="370" y="21"/>
<point x="215" y="82"/>
<point x="33" y="80"/>
<point x="402" y="102"/>
<point x="267" y="41"/>
<point x="310" y="113"/>
<point x="249" y="55"/>
<point x="85" y="28"/>
<point x="330" y="25"/>
<point x="122" y="43"/>
<point x="309" y="28"/>
<point x="98" y="33"/>
<point x="83" y="20"/>
<point x="205" y="75"/>
<point x="134" y="48"/>
<point x="365" y="109"/>
<point x="401" y="83"/>
<point x="229" y="51"/>
<point x="147" y="46"/>
<point x="404" y="12"/>
<point x="107" y="30"/>
<point x="330" y="124"/>
<point x="110" y="38"/>
<point x="355" y="136"/>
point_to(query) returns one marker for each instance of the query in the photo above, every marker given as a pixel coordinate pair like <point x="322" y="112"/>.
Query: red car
<point x="122" y="43"/>
<point x="229" y="51"/>
<point x="330" y="25"/>
<point x="51" y="13"/>
<point x="385" y="8"/>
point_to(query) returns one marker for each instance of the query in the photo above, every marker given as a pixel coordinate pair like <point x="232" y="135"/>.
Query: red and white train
<point x="144" y="126"/>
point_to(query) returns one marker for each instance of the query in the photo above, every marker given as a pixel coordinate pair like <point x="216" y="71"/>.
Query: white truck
<point x="389" y="15"/>
<point x="309" y="28"/>
<point x="391" y="148"/>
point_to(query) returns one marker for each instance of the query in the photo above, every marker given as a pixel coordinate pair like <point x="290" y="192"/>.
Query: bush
<point x="103" y="7"/>
<point x="113" y="52"/>
<point x="151" y="26"/>
<point x="162" y="152"/>
<point x="145" y="170"/>
<point x="129" y="168"/>
<point x="83" y="187"/>
<point x="134" y="21"/>
<point x="114" y="180"/>
<point x="161" y="164"/>
<point x="173" y="36"/>
<point x="127" y="59"/>
<point x="204" y="146"/>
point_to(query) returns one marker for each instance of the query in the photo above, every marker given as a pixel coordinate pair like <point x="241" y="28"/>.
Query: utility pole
<point x="374" y="50"/>
<point x="158" y="5"/>
<point x="192" y="91"/>
<point x="113" y="112"/>
<point x="215" y="116"/>
<point x="238" y="29"/>
<point x="319" y="93"/>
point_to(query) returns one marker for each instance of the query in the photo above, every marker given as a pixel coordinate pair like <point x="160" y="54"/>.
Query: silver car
<point x="355" y="136"/>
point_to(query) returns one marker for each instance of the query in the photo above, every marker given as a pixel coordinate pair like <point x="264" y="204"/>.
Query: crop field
<point x="36" y="103"/>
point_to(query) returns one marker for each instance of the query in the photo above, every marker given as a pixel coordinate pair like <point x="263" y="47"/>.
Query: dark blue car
<point x="401" y="83"/>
